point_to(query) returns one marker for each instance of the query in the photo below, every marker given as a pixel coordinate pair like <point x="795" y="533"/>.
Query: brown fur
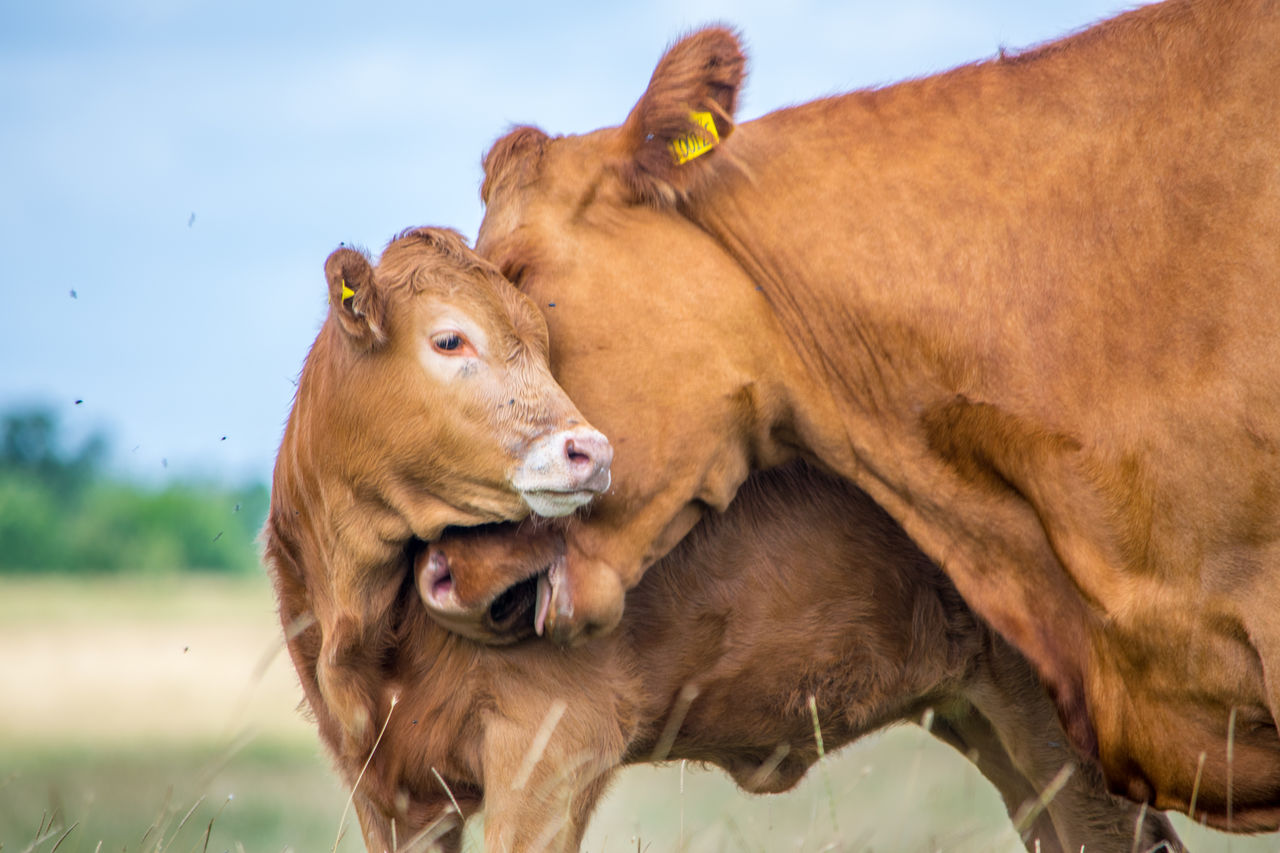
<point x="379" y="451"/>
<point x="1028" y="305"/>
<point x="802" y="591"/>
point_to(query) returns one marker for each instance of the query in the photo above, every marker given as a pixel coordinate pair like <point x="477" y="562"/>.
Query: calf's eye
<point x="448" y="342"/>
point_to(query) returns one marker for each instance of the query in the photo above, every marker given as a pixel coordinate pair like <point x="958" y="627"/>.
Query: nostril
<point x="441" y="579"/>
<point x="575" y="454"/>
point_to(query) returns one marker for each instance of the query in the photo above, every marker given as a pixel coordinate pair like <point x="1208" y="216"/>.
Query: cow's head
<point x="657" y="332"/>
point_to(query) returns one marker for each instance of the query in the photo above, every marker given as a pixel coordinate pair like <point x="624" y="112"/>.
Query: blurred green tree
<point x="30" y="445"/>
<point x="61" y="511"/>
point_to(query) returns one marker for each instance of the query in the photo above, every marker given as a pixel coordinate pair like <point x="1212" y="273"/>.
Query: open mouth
<point x="491" y="584"/>
<point x="512" y="612"/>
<point x="522" y="610"/>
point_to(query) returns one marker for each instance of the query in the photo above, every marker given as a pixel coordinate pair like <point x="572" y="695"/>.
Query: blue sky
<point x="186" y="166"/>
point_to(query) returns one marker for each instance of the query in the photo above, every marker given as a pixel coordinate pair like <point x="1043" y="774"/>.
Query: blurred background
<point x="175" y="173"/>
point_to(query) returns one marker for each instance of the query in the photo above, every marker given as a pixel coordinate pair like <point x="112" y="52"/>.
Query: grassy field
<point x="159" y="714"/>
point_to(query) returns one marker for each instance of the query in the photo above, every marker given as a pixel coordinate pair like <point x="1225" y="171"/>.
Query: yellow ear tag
<point x="347" y="292"/>
<point x="685" y="148"/>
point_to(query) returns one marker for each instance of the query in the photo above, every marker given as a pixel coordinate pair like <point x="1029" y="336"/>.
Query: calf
<point x="803" y="598"/>
<point x="425" y="402"/>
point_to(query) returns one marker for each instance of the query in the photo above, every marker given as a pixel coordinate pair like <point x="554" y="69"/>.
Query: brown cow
<point x="1029" y="305"/>
<point x="426" y="401"/>
<point x="803" y="591"/>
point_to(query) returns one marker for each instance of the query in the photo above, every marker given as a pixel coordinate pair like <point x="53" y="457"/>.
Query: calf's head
<point x="457" y="577"/>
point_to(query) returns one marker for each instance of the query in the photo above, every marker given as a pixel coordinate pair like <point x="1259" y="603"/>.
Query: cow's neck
<point x="881" y="228"/>
<point x="993" y="271"/>
<point x="933" y="250"/>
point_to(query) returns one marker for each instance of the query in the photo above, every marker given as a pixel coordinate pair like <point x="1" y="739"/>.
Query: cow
<point x="804" y="603"/>
<point x="426" y="401"/>
<point x="1029" y="305"/>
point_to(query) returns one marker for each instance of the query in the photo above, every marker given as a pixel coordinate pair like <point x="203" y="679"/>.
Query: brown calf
<point x="426" y="401"/>
<point x="803" y="592"/>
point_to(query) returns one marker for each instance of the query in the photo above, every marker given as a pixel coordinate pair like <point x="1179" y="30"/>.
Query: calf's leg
<point x="1015" y="717"/>
<point x="972" y="735"/>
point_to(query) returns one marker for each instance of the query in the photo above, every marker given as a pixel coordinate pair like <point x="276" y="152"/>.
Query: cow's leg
<point x="543" y="774"/>
<point x="354" y="637"/>
<point x="400" y="823"/>
<point x="1014" y="716"/>
<point x="569" y="839"/>
<point x="553" y="819"/>
<point x="416" y="827"/>
<point x="374" y="826"/>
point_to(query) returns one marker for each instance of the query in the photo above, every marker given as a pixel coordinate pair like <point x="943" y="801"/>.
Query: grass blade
<point x="342" y="823"/>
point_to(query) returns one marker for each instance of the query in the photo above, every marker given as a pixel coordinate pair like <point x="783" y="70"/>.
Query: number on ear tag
<point x="691" y="145"/>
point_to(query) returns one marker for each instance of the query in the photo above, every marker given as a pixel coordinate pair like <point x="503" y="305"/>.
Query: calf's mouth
<point x="521" y="610"/>
<point x="510" y="614"/>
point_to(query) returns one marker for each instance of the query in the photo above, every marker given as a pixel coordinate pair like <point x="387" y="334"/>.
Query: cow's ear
<point x="512" y="159"/>
<point x="355" y="299"/>
<point x="674" y="130"/>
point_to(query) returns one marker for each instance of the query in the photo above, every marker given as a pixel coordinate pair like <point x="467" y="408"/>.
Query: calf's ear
<point x="355" y="299"/>
<point x="672" y="133"/>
